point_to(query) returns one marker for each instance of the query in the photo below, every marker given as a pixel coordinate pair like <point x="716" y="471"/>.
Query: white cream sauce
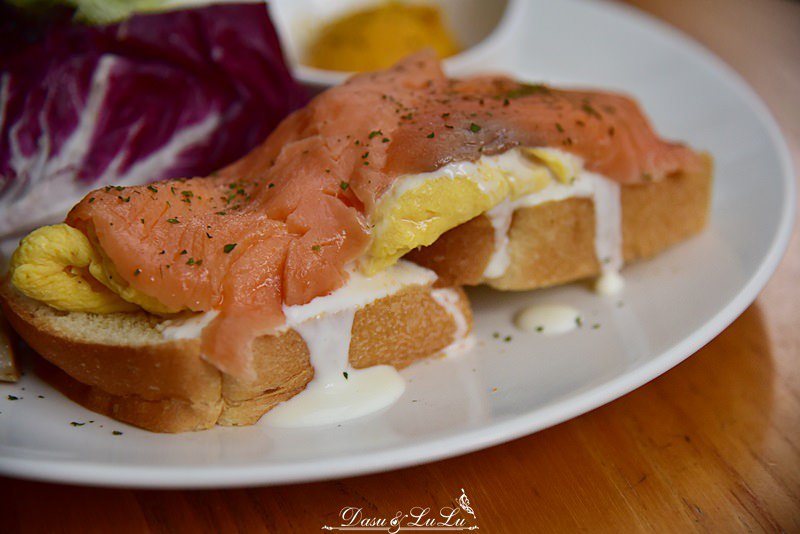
<point x="360" y="290"/>
<point x="186" y="328"/>
<point x="448" y="299"/>
<point x="548" y="319"/>
<point x="338" y="392"/>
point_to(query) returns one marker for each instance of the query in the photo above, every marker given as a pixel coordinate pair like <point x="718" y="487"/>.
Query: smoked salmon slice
<point x="280" y="226"/>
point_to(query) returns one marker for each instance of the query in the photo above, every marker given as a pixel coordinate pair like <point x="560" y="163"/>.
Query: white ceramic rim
<point x="87" y="473"/>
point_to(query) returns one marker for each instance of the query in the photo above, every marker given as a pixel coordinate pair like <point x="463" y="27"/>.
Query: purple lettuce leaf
<point x="166" y="95"/>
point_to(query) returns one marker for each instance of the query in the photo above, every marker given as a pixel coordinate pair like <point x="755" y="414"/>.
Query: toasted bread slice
<point x="553" y="243"/>
<point x="120" y="365"/>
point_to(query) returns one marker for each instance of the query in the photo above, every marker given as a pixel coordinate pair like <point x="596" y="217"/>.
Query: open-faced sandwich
<point x="333" y="252"/>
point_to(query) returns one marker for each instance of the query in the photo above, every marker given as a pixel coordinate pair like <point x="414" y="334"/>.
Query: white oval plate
<point x="502" y="390"/>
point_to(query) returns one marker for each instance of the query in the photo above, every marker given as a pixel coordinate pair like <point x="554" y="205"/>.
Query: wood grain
<point x="713" y="445"/>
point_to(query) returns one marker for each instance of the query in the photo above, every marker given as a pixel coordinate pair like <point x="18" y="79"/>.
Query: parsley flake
<point x="474" y="128"/>
<point x="590" y="110"/>
<point x="228" y="248"/>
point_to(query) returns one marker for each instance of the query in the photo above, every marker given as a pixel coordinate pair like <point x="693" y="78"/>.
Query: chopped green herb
<point x="183" y="252"/>
<point x="74" y="423"/>
<point x="228" y="248"/>
<point x="137" y="272"/>
<point x="91" y="200"/>
<point x="364" y="155"/>
<point x="578" y="321"/>
<point x="124" y="199"/>
<point x="344" y="185"/>
<point x="507" y="339"/>
<point x="346" y="376"/>
<point x="12" y="397"/>
<point x="559" y="128"/>
<point x="221" y="213"/>
<point x="431" y="135"/>
<point x="151" y="188"/>
<point x="270" y="186"/>
<point x="590" y="110"/>
<point x="385" y="140"/>
<point x="116" y="433"/>
<point x="474" y="128"/>
<point x="173" y="221"/>
<point x="595" y="326"/>
<point x="316" y="248"/>
<point x="193" y="261"/>
<point x="375" y="133"/>
<point x="540" y="329"/>
<point x="496" y="335"/>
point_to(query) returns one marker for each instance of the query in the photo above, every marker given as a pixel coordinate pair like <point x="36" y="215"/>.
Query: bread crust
<point x="553" y="243"/>
<point x="166" y="386"/>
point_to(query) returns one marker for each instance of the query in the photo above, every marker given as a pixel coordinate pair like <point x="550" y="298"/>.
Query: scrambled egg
<point x="420" y="208"/>
<point x="51" y="265"/>
<point x="59" y="266"/>
<point x="377" y="38"/>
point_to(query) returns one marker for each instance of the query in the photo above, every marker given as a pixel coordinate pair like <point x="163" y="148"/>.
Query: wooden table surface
<point x="712" y="445"/>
